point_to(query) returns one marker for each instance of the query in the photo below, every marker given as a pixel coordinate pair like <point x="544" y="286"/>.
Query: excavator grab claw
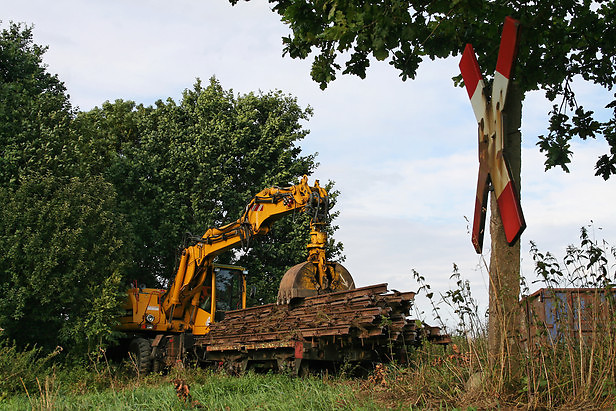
<point x="301" y="280"/>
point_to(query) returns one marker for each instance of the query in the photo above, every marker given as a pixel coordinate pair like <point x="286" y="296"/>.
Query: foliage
<point x="562" y="369"/>
<point x="183" y="167"/>
<point x="460" y="300"/>
<point x="577" y="365"/>
<point x="560" y="42"/>
<point x="89" y="200"/>
<point x="63" y="247"/>
<point x="575" y="373"/>
<point x="587" y="266"/>
<point x="35" y="113"/>
<point x="21" y="368"/>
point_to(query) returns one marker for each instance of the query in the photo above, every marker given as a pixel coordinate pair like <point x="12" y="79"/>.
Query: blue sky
<point x="403" y="154"/>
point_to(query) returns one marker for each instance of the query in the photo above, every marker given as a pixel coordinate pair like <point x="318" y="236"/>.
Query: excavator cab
<point x="223" y="289"/>
<point x="229" y="285"/>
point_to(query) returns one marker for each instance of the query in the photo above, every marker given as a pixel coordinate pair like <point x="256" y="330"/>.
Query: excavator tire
<point x="140" y="351"/>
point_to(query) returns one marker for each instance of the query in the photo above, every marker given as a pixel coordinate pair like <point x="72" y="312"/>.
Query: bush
<point x="23" y="369"/>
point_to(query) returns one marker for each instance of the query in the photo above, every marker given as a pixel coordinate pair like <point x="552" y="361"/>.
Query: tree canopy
<point x="35" y="112"/>
<point x="561" y="41"/>
<point x="90" y="201"/>
<point x="63" y="244"/>
<point x="64" y="257"/>
<point x="195" y="164"/>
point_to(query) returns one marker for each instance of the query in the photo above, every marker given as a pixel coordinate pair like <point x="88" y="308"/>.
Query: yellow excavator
<point x="162" y="322"/>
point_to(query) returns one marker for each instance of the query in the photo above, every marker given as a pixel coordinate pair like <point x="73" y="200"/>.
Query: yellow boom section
<point x="265" y="208"/>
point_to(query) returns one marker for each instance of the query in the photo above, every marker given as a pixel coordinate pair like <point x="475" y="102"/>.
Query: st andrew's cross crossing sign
<point x="493" y="169"/>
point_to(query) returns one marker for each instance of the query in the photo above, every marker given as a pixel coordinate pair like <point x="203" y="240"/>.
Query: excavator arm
<point x="265" y="208"/>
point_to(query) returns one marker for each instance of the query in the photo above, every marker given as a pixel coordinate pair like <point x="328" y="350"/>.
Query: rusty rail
<point x="363" y="317"/>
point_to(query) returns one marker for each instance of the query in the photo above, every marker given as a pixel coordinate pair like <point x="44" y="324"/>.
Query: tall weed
<point x="571" y="357"/>
<point x="573" y="368"/>
<point x="23" y="369"/>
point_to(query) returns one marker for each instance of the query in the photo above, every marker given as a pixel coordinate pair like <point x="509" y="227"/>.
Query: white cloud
<point x="403" y="154"/>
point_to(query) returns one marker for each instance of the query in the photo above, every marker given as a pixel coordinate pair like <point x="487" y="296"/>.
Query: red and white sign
<point x="493" y="169"/>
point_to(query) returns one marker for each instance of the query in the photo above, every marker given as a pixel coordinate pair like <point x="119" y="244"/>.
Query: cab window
<point x="228" y="291"/>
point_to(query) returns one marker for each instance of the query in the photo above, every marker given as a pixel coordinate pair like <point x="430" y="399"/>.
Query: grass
<point x="208" y="390"/>
<point x="569" y="372"/>
<point x="436" y="378"/>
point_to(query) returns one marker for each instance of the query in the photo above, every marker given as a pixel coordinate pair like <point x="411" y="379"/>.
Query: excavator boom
<point x="178" y="308"/>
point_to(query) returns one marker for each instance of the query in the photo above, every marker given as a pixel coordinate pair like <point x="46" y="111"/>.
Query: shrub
<point x="20" y="369"/>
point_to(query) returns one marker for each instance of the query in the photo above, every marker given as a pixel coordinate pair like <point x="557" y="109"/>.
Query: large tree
<point x="182" y="167"/>
<point x="562" y="41"/>
<point x="63" y="243"/>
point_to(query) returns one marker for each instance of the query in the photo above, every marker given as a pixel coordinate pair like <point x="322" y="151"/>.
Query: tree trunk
<point x="504" y="268"/>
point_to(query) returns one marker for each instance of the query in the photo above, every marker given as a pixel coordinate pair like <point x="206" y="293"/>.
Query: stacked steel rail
<point x="366" y="324"/>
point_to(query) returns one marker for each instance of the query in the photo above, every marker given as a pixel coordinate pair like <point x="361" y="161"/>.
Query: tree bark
<point x="504" y="268"/>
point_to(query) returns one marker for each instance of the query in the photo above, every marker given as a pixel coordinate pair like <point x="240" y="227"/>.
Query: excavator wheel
<point x="140" y="350"/>
<point x="301" y="281"/>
